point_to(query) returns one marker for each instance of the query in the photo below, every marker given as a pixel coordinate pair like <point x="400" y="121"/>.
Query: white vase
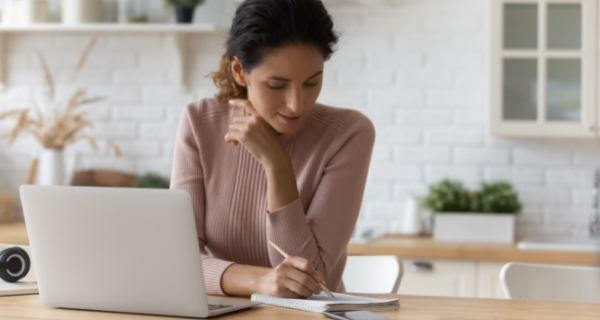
<point x="50" y="168"/>
<point x="81" y="11"/>
<point x="412" y="223"/>
<point x="19" y="12"/>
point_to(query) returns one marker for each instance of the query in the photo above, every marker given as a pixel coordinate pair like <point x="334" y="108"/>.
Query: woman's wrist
<point x="242" y="280"/>
<point x="281" y="183"/>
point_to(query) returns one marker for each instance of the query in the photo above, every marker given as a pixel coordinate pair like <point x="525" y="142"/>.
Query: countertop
<point x="412" y="247"/>
<point x="426" y="247"/>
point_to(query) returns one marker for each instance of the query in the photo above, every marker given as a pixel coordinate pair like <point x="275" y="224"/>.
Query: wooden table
<point x="411" y="307"/>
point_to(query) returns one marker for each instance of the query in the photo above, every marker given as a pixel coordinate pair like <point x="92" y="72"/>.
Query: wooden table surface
<point x="412" y="247"/>
<point x="29" y="307"/>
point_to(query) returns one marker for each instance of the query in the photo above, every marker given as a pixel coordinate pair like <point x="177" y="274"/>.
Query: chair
<point x="373" y="274"/>
<point x="522" y="281"/>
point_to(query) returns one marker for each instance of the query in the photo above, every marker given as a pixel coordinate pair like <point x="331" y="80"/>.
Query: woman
<point x="263" y="161"/>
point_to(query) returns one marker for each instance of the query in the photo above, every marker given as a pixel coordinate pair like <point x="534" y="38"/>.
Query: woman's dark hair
<point x="260" y="26"/>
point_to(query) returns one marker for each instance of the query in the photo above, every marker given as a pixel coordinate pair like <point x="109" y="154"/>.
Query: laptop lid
<point x="115" y="249"/>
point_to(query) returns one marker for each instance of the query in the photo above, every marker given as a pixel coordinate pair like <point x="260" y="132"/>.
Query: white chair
<point x="522" y="281"/>
<point x="373" y="274"/>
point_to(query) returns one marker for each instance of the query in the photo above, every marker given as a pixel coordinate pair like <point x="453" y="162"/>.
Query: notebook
<point x="16" y="288"/>
<point x="322" y="302"/>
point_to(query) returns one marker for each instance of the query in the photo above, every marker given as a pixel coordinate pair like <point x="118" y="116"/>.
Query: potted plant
<point x="184" y="9"/>
<point x="485" y="215"/>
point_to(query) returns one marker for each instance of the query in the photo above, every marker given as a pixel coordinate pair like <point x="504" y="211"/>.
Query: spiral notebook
<point x="322" y="302"/>
<point x="17" y="288"/>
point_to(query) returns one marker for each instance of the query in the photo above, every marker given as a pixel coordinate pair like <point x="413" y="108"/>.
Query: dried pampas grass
<point x="63" y="125"/>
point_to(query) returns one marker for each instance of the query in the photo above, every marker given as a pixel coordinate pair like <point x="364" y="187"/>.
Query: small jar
<point x="81" y="11"/>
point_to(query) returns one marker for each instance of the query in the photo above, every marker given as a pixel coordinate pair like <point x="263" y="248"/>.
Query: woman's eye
<point x="312" y="84"/>
<point x="274" y="87"/>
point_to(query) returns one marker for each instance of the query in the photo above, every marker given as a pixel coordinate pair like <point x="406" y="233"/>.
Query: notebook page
<point x="340" y="298"/>
<point x="323" y="302"/>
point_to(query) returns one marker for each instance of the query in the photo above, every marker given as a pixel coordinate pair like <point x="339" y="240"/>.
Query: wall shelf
<point x="177" y="34"/>
<point x="110" y="27"/>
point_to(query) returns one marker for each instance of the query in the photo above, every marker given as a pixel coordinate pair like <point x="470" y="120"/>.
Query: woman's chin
<point x="285" y="128"/>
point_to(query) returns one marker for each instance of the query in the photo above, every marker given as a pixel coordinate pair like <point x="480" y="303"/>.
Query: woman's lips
<point x="288" y="120"/>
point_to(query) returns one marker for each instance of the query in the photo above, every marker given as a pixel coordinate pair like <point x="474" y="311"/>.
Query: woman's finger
<point x="233" y="136"/>
<point x="244" y="104"/>
<point x="240" y="118"/>
<point x="304" y="279"/>
<point x="286" y="293"/>
<point x="319" y="277"/>
<point x="301" y="264"/>
<point x="297" y="288"/>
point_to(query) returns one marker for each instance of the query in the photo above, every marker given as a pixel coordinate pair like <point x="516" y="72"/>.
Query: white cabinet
<point x="452" y="278"/>
<point x="438" y="278"/>
<point x="488" y="280"/>
<point x="543" y="68"/>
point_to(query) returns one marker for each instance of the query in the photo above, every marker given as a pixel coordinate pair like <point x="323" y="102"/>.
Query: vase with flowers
<point x="55" y="124"/>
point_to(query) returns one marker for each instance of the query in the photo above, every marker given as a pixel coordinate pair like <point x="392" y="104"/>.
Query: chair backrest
<point x="522" y="281"/>
<point x="373" y="274"/>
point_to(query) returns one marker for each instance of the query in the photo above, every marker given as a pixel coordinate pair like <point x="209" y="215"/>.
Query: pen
<point x="323" y="287"/>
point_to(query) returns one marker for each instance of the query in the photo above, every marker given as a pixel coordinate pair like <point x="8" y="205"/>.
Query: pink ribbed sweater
<point x="330" y="156"/>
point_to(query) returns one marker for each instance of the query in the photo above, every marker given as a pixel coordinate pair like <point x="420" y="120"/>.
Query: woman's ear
<point x="238" y="71"/>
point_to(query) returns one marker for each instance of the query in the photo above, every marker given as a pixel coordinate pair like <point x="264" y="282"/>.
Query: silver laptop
<point x="118" y="249"/>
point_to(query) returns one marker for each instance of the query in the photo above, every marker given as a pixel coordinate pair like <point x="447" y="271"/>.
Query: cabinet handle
<point x="421" y="267"/>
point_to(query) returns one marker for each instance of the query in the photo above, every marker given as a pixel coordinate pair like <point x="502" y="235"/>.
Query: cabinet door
<point x="488" y="280"/>
<point x="543" y="68"/>
<point x="438" y="278"/>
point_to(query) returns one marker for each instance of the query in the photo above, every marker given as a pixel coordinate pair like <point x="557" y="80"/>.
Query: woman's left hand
<point x="255" y="134"/>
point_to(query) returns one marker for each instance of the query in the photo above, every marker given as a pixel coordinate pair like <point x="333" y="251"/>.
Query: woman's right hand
<point x="293" y="278"/>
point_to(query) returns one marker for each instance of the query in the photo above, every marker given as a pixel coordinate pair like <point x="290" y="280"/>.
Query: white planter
<point x="50" y="170"/>
<point x="81" y="11"/>
<point x="474" y="227"/>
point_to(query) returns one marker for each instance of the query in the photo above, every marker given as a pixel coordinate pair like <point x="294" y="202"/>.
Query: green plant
<point x="447" y="196"/>
<point x="496" y="197"/>
<point x="152" y="180"/>
<point x="185" y="3"/>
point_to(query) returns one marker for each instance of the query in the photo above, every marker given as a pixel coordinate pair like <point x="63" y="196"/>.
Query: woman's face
<point x="285" y="86"/>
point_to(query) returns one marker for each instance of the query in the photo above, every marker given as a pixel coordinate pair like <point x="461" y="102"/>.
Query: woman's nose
<point x="295" y="100"/>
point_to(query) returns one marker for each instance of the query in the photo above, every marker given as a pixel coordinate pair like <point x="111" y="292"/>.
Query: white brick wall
<point x="417" y="68"/>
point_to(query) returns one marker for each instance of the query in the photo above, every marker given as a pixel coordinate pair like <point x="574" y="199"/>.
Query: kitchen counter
<point x="425" y="247"/>
<point x="412" y="247"/>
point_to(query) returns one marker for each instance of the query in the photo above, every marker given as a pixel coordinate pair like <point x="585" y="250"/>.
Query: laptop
<point x="118" y="249"/>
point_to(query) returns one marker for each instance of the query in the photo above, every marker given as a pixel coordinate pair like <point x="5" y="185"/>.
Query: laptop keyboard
<point x="212" y="307"/>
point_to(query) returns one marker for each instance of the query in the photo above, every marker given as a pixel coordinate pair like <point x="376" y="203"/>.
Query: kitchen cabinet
<point x="543" y="68"/>
<point x="487" y="280"/>
<point x="438" y="278"/>
<point x="461" y="269"/>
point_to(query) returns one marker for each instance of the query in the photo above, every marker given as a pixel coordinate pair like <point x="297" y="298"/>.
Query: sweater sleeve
<point x="188" y="175"/>
<point x="321" y="232"/>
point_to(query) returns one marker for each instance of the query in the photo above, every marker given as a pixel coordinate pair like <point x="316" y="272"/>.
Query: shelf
<point x="110" y="27"/>
<point x="177" y="34"/>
